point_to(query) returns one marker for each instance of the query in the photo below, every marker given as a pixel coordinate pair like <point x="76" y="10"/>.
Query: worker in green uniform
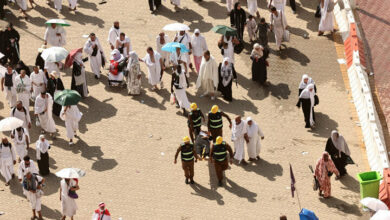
<point x="215" y="123"/>
<point x="195" y="118"/>
<point x="188" y="156"/>
<point x="219" y="157"/>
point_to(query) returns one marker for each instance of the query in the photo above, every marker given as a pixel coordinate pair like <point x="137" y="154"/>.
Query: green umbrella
<point x="57" y="22"/>
<point x="67" y="97"/>
<point x="224" y="30"/>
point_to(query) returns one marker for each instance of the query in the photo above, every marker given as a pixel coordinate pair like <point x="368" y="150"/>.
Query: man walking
<point x="96" y="55"/>
<point x="188" y="154"/>
<point x="218" y="156"/>
<point x="195" y="121"/>
<point x="239" y="137"/>
<point x="8" y="159"/>
<point x="113" y="34"/>
<point x="215" y="123"/>
<point x="208" y="78"/>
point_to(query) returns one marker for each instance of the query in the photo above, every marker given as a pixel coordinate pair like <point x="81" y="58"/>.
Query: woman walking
<point x="259" y="64"/>
<point x="134" y="75"/>
<point x="306" y="98"/>
<point x="324" y="170"/>
<point x="338" y="150"/>
<point x="68" y="204"/>
<point x="42" y="147"/>
<point x="226" y="74"/>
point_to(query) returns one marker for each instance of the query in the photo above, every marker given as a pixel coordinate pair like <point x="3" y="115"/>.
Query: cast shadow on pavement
<point x="323" y="126"/>
<point x="304" y="14"/>
<point x="350" y="183"/>
<point x="82" y="19"/>
<point x="88" y="5"/>
<point x="214" y="9"/>
<point x="209" y="194"/>
<point x="51" y="213"/>
<point x="96" y="111"/>
<point x="93" y="153"/>
<point x="264" y="168"/>
<point x="240" y="191"/>
<point x="293" y="54"/>
<point x="342" y="206"/>
<point x="196" y="20"/>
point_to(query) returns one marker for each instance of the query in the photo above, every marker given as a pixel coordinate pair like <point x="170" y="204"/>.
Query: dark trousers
<point x="220" y="166"/>
<point x="215" y="132"/>
<point x="157" y="3"/>
<point x="292" y="5"/>
<point x="188" y="167"/>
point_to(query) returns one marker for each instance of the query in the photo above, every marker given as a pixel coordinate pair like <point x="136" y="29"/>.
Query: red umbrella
<point x="70" y="57"/>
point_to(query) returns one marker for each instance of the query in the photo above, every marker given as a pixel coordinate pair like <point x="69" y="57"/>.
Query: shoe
<point x="162" y="85"/>
<point x="258" y="157"/>
<point x="220" y="183"/>
<point x="96" y="77"/>
<point x="71" y="143"/>
<point x="243" y="162"/>
<point x="186" y="181"/>
<point x="192" y="181"/>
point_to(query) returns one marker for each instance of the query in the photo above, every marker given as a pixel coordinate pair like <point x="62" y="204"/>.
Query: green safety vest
<point x="219" y="151"/>
<point x="196" y="118"/>
<point x="187" y="153"/>
<point x="215" y="120"/>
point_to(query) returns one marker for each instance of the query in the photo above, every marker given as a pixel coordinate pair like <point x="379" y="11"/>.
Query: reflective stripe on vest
<point x="219" y="152"/>
<point x="215" y="120"/>
<point x="187" y="155"/>
<point x="196" y="122"/>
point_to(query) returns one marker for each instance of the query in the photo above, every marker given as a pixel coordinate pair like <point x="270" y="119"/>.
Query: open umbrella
<point x="224" y="30"/>
<point x="374" y="204"/>
<point x="54" y="54"/>
<point x="306" y="214"/>
<point x="70" y="173"/>
<point x="381" y="215"/>
<point x="57" y="22"/>
<point x="67" y="97"/>
<point x="171" y="47"/>
<point x="176" y="27"/>
<point x="10" y="123"/>
<point x="70" y="57"/>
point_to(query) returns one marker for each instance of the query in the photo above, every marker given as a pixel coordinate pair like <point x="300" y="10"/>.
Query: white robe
<point x="95" y="216"/>
<point x="254" y="134"/>
<point x="230" y="4"/>
<point x="10" y="94"/>
<point x="41" y="147"/>
<point x="238" y="139"/>
<point x="73" y="4"/>
<point x="279" y="25"/>
<point x="229" y="52"/>
<point x="176" y="2"/>
<point x="120" y="42"/>
<point x="208" y="75"/>
<point x="36" y="80"/>
<point x="252" y="7"/>
<point x="199" y="45"/>
<point x="51" y="35"/>
<point x="68" y="204"/>
<point x="279" y="4"/>
<point x="180" y="94"/>
<point x="46" y="119"/>
<point x="51" y="66"/>
<point x="22" y="169"/>
<point x="164" y="54"/>
<point x="20" y="143"/>
<point x="71" y="117"/>
<point x="58" y="5"/>
<point x="251" y="28"/>
<point x="22" y="4"/>
<point x="24" y="95"/>
<point x="35" y="198"/>
<point x="186" y="40"/>
<point x="113" y="34"/>
<point x="154" y="69"/>
<point x="326" y="22"/>
<point x="25" y="117"/>
<point x="95" y="61"/>
<point x="7" y="162"/>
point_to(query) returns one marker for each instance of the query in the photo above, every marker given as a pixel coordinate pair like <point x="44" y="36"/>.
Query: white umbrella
<point x="381" y="215"/>
<point x="54" y="54"/>
<point x="70" y="173"/>
<point x="176" y="27"/>
<point x="374" y="204"/>
<point x="10" y="123"/>
<point x="58" y="22"/>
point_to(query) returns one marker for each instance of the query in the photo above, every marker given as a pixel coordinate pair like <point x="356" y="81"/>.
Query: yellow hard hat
<point x="219" y="140"/>
<point x="214" y="109"/>
<point x="186" y="139"/>
<point x="193" y="106"/>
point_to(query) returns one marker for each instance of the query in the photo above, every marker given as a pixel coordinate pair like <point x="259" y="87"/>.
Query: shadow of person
<point x="295" y="55"/>
<point x="240" y="191"/>
<point x="342" y="206"/>
<point x="264" y="168"/>
<point x="323" y="126"/>
<point x="350" y="183"/>
<point x="89" y="5"/>
<point x="52" y="184"/>
<point x="45" y="12"/>
<point x="302" y="13"/>
<point x="214" y="9"/>
<point x="207" y="193"/>
<point x="91" y="115"/>
<point x="83" y="19"/>
<point x="298" y="31"/>
<point x="93" y="153"/>
<point x="50" y="213"/>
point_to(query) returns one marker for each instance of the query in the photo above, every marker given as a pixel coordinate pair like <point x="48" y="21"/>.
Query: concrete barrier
<point x="360" y="88"/>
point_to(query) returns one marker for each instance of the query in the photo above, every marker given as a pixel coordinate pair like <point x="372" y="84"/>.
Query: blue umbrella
<point x="307" y="215"/>
<point x="171" y="47"/>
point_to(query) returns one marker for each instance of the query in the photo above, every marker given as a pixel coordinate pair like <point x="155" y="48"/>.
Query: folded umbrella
<point x="10" y="123"/>
<point x="224" y="30"/>
<point x="67" y="97"/>
<point x="381" y="215"/>
<point x="57" y="22"/>
<point x="374" y="204"/>
<point x="54" y="54"/>
<point x="176" y="27"/>
<point x="70" y="173"/>
<point x="171" y="47"/>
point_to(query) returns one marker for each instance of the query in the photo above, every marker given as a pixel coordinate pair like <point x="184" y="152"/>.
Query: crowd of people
<point x="39" y="86"/>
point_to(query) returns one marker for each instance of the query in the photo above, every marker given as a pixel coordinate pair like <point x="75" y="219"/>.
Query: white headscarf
<point x="303" y="85"/>
<point x="307" y="94"/>
<point x="339" y="143"/>
<point x="116" y="55"/>
<point x="226" y="71"/>
<point x="42" y="146"/>
<point x="256" y="51"/>
<point x="78" y="58"/>
<point x="133" y="60"/>
<point x="251" y="129"/>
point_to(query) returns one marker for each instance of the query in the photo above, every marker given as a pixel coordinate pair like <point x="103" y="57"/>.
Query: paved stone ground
<point x="127" y="144"/>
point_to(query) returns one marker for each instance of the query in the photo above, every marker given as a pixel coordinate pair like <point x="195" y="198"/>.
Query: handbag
<point x="316" y="184"/>
<point x="286" y="36"/>
<point x="37" y="123"/>
<point x="316" y="100"/>
<point x="172" y="99"/>
<point x="72" y="194"/>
